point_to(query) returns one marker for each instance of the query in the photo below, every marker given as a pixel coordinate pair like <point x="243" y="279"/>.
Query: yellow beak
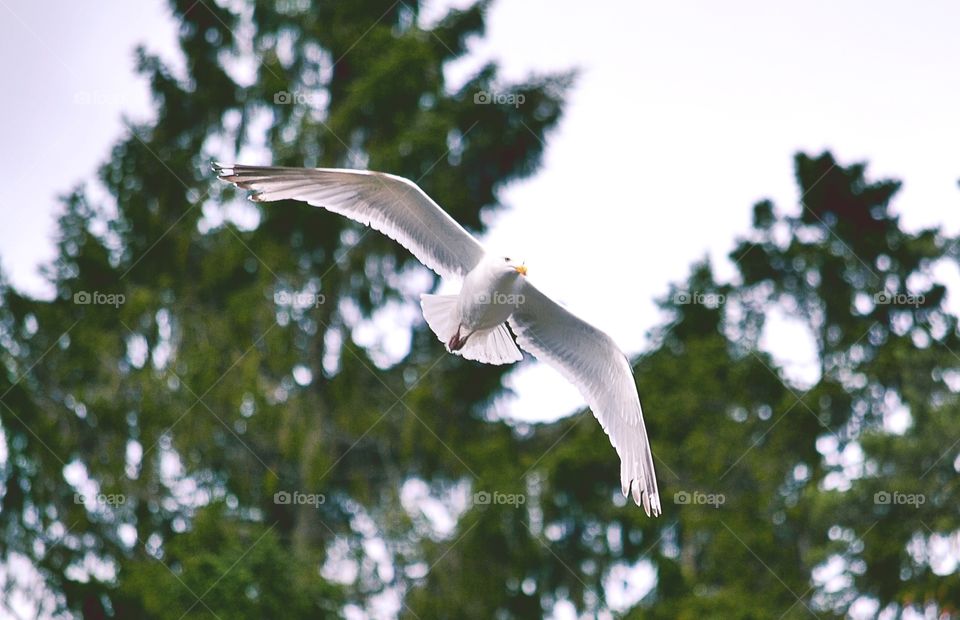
<point x="522" y="270"/>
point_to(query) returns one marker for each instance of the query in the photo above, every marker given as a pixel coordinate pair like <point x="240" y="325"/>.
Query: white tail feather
<point x="492" y="346"/>
<point x="440" y="312"/>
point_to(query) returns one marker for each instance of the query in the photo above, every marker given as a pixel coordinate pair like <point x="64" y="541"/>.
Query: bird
<point x="495" y="293"/>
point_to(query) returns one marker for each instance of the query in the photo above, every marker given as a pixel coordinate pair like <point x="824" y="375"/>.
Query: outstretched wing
<point x="590" y="360"/>
<point x="393" y="205"/>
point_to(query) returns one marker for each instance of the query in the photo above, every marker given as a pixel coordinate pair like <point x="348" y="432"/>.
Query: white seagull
<point x="495" y="292"/>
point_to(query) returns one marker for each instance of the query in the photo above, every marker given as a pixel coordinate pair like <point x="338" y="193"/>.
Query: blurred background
<point x="211" y="408"/>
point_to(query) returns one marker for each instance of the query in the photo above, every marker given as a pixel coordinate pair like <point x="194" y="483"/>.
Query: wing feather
<point x="395" y="206"/>
<point x="590" y="360"/>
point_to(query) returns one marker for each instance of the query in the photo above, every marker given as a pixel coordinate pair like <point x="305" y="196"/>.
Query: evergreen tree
<point x="207" y="385"/>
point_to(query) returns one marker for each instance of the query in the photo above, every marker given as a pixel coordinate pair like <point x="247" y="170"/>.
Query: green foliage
<point x="204" y="395"/>
<point x="226" y="567"/>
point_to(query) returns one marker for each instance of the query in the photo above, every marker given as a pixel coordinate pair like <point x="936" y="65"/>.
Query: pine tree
<point x="207" y="386"/>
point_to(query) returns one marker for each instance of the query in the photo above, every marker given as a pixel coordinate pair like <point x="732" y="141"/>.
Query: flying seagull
<point x="495" y="292"/>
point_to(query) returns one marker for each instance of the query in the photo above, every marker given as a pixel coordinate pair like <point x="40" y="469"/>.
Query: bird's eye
<point x="506" y="260"/>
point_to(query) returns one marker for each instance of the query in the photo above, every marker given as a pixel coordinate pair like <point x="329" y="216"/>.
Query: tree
<point x="180" y="371"/>
<point x="788" y="502"/>
<point x="883" y="497"/>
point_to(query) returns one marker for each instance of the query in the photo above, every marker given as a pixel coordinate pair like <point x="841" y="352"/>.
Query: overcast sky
<point x="685" y="114"/>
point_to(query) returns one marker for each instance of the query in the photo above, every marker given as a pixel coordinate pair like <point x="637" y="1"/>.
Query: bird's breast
<point x="486" y="302"/>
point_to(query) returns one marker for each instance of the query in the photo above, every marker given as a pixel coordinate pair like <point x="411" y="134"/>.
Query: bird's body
<point x="474" y="322"/>
<point x="489" y="294"/>
<point x="495" y="294"/>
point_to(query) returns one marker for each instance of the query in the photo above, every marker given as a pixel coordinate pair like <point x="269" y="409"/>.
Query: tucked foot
<point x="456" y="342"/>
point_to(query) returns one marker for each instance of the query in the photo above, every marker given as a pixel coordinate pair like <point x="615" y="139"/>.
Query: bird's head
<point x="509" y="264"/>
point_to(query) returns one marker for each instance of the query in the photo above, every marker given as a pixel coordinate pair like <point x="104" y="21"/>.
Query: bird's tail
<point x="440" y="311"/>
<point x="490" y="346"/>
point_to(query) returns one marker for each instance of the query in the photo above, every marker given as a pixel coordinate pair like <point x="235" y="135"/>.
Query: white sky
<point x="684" y="115"/>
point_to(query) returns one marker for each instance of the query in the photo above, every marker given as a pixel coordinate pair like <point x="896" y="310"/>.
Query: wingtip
<point x="650" y="502"/>
<point x="221" y="169"/>
<point x="655" y="510"/>
<point x="651" y="505"/>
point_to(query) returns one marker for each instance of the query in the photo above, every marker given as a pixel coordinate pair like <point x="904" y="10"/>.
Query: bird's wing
<point x="590" y="360"/>
<point x="393" y="205"/>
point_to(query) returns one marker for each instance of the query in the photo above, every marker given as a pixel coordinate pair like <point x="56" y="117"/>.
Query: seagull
<point x="495" y="293"/>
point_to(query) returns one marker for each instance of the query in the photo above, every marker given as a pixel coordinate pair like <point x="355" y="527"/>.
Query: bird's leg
<point x="456" y="342"/>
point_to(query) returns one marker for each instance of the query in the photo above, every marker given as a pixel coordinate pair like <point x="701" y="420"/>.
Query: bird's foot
<point x="456" y="342"/>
